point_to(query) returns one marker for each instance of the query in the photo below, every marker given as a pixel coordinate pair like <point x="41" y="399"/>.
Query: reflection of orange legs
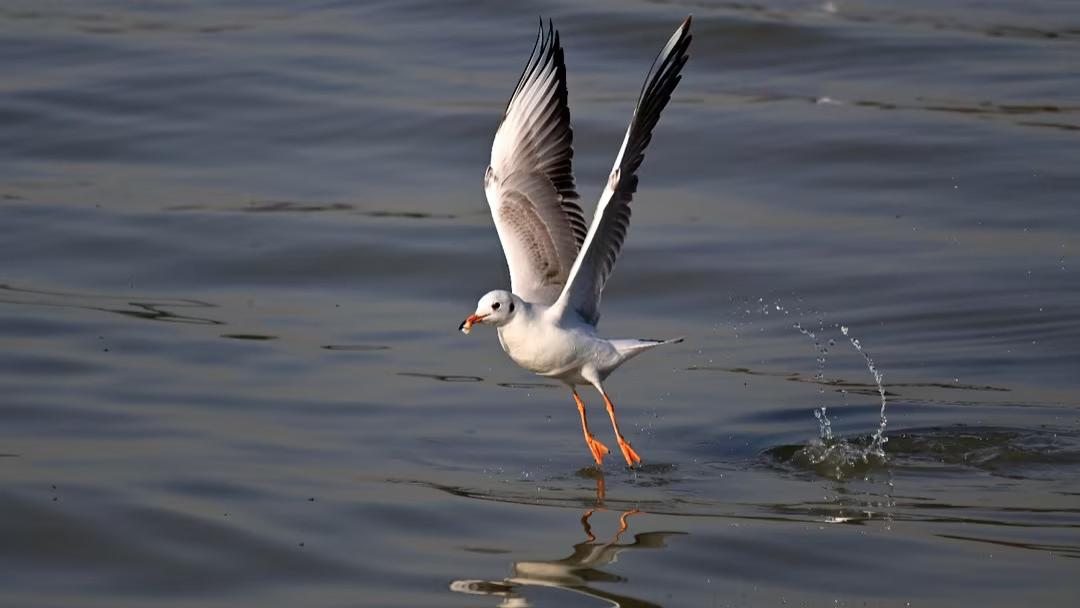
<point x="628" y="452"/>
<point x="623" y="524"/>
<point x="598" y="449"/>
<point x="585" y="525"/>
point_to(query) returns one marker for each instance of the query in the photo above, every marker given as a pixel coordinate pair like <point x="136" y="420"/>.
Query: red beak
<point x="466" y="325"/>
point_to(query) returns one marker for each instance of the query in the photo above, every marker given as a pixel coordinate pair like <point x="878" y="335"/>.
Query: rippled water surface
<point x="236" y="240"/>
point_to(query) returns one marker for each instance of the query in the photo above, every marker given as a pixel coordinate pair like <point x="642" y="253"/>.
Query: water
<point x="829" y="455"/>
<point x="237" y="240"/>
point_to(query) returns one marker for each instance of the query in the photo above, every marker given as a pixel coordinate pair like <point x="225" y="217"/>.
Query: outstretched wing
<point x="530" y="184"/>
<point x="597" y="258"/>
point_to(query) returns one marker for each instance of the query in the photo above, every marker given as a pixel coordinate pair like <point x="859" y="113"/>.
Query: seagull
<point x="558" y="265"/>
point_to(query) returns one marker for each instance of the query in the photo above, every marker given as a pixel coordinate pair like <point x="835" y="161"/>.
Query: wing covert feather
<point x="530" y="182"/>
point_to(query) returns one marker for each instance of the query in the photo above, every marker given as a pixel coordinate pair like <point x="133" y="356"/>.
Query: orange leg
<point x="598" y="449"/>
<point x="628" y="452"/>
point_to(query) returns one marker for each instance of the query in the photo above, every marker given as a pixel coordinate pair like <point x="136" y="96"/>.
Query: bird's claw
<point x="598" y="450"/>
<point x="628" y="453"/>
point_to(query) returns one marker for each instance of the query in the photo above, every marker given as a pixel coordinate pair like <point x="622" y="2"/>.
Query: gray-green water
<point x="236" y="240"/>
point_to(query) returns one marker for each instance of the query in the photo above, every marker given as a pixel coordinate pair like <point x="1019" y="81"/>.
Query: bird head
<point x="495" y="308"/>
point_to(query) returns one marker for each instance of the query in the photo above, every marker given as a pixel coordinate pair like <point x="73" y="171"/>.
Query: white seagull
<point x="558" y="268"/>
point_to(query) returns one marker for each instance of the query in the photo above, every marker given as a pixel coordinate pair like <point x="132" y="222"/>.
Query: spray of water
<point x="836" y="456"/>
<point x="878" y="440"/>
<point x="821" y="413"/>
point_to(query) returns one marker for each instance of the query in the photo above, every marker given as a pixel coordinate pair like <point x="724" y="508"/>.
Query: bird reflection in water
<point x="579" y="571"/>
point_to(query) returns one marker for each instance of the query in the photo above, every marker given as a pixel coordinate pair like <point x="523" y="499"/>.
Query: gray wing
<point x="530" y="183"/>
<point x="604" y="240"/>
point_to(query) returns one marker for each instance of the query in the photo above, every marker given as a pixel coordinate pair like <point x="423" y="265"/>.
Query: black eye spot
<point x="495" y="306"/>
<point x="511" y="307"/>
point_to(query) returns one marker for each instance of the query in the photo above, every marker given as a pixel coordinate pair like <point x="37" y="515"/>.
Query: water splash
<point x="821" y="413"/>
<point x="824" y="425"/>
<point x="878" y="439"/>
<point x="838" y="457"/>
<point x="829" y="455"/>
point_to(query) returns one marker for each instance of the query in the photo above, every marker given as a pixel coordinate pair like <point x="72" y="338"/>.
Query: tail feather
<point x="635" y="346"/>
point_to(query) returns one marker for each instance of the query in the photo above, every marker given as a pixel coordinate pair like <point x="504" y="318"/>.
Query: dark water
<point x="236" y="240"/>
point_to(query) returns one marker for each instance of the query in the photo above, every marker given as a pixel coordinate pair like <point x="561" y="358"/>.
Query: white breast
<point x="538" y="345"/>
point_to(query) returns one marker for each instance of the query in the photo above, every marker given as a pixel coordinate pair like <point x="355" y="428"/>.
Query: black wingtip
<point x="686" y="22"/>
<point x="550" y="27"/>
